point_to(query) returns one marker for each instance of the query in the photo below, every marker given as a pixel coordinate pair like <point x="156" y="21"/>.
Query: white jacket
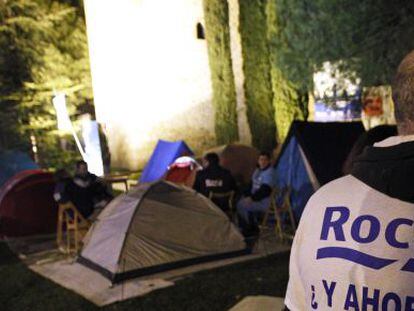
<point x="354" y="249"/>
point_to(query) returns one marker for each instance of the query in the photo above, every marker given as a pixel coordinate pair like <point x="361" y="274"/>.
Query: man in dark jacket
<point x="214" y="178"/>
<point x="88" y="191"/>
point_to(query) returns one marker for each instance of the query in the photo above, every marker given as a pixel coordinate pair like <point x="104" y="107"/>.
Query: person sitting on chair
<point x="216" y="179"/>
<point x="257" y="198"/>
<point x="88" y="191"/>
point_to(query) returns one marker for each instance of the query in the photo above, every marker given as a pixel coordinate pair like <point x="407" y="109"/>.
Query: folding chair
<point x="76" y="227"/>
<point x="276" y="211"/>
<point x="223" y="195"/>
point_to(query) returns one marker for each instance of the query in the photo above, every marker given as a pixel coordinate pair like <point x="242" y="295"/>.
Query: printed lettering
<point x="214" y="183"/>
<point x="374" y="229"/>
<point x="386" y="302"/>
<point x="351" y="299"/>
<point x="314" y="304"/>
<point x="336" y="225"/>
<point x="409" y="265"/>
<point x="391" y="232"/>
<point x="374" y="301"/>
<point x="409" y="303"/>
<point x="354" y="256"/>
<point x="329" y="291"/>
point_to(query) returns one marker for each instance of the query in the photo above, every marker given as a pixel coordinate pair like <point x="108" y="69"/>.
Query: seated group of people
<point x="252" y="201"/>
<point x="88" y="193"/>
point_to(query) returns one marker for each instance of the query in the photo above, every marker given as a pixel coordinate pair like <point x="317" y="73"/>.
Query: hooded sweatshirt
<point x="354" y="248"/>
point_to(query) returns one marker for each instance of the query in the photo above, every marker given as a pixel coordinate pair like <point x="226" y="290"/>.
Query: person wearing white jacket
<point x="354" y="248"/>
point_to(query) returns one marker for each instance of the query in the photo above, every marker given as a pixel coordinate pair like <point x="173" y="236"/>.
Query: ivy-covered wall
<point x="257" y="72"/>
<point x="290" y="103"/>
<point x="216" y="16"/>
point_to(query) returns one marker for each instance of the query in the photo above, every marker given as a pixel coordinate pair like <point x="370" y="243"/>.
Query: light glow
<point x="63" y="120"/>
<point x="148" y="70"/>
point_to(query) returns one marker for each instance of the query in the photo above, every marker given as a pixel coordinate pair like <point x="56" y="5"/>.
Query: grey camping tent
<point x="156" y="227"/>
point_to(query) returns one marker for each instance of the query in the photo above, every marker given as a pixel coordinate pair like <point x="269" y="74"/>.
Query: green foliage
<point x="43" y="50"/>
<point x="272" y="101"/>
<point x="216" y="17"/>
<point x="366" y="38"/>
<point x="257" y="73"/>
<point x="289" y="100"/>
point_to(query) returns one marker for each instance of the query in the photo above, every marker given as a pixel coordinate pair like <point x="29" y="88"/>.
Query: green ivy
<point x="217" y="32"/>
<point x="257" y="73"/>
<point x="290" y="101"/>
<point x="366" y="38"/>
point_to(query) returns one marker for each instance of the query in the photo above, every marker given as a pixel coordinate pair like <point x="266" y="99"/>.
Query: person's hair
<point x="266" y="154"/>
<point x="212" y="158"/>
<point x="80" y="163"/>
<point x="403" y="91"/>
<point x="368" y="138"/>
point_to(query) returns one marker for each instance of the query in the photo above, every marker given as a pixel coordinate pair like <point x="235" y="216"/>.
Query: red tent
<point x="182" y="171"/>
<point x="26" y="204"/>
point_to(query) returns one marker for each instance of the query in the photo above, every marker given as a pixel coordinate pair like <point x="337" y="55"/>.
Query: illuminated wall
<point x="150" y="75"/>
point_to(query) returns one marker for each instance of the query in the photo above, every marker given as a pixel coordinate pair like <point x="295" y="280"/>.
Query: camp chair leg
<point x="265" y="218"/>
<point x="67" y="238"/>
<point x="278" y="226"/>
<point x="292" y="220"/>
<point x="76" y="237"/>
<point x="59" y="231"/>
<point x="231" y="210"/>
<point x="76" y="227"/>
<point x="126" y="185"/>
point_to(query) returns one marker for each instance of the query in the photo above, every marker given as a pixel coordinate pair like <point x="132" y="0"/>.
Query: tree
<point x="257" y="73"/>
<point x="216" y="17"/>
<point x="43" y="50"/>
<point x="290" y="99"/>
<point x="365" y="39"/>
<point x="272" y="101"/>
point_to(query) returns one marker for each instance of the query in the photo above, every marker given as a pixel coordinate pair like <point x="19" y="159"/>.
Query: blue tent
<point x="164" y="154"/>
<point x="13" y="162"/>
<point x="312" y="155"/>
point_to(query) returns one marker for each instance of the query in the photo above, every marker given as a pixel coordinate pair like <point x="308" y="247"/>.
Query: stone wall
<point x="151" y="75"/>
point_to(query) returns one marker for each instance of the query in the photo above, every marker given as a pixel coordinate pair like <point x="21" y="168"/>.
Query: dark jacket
<point x="86" y="191"/>
<point x="215" y="179"/>
<point x="389" y="170"/>
<point x="61" y="193"/>
<point x="263" y="177"/>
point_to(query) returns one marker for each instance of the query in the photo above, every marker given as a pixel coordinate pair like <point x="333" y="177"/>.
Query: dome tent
<point x="27" y="206"/>
<point x="13" y="162"/>
<point x="164" y="154"/>
<point x="313" y="155"/>
<point x="156" y="227"/>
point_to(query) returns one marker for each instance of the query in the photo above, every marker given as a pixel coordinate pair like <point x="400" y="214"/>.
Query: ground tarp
<point x="92" y="285"/>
